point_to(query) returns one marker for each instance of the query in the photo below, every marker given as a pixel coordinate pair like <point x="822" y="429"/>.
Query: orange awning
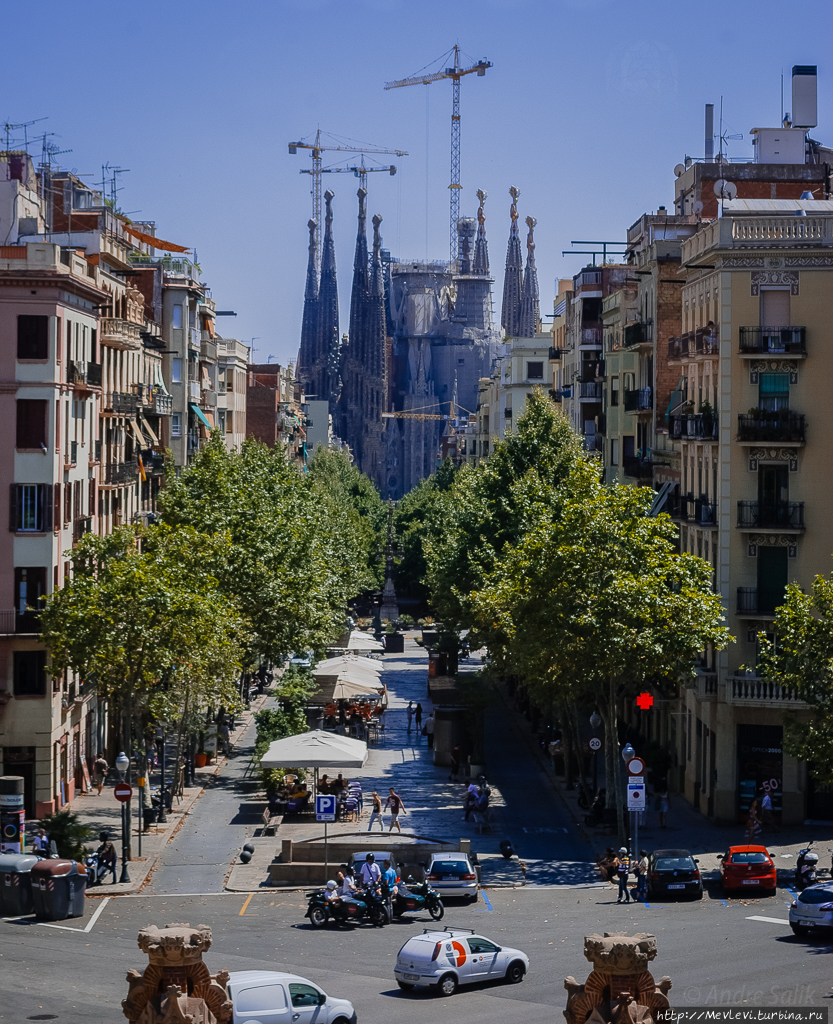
<point x="157" y="243"/>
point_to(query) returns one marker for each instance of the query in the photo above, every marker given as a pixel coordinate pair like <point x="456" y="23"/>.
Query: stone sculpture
<point x="176" y="986"/>
<point x="620" y="989"/>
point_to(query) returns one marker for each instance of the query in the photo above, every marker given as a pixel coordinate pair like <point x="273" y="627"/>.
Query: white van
<point x="446" y="959"/>
<point x="272" y="997"/>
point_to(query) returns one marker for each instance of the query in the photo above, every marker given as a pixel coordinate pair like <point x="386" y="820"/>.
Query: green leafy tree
<point x="143" y="618"/>
<point x="800" y="660"/>
<point x="593" y="602"/>
<point x="296" y="553"/>
<point x="65" y="829"/>
<point x="410" y="524"/>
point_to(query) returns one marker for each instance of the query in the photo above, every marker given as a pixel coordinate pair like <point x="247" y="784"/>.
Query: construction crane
<point x="455" y="73"/>
<point x="361" y="171"/>
<point x="318" y="147"/>
<point x="413" y="416"/>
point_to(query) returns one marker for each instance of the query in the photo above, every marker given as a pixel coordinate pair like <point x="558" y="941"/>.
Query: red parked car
<point x="748" y="868"/>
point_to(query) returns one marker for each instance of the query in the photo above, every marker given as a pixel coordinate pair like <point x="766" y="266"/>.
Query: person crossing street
<point x="623" y="868"/>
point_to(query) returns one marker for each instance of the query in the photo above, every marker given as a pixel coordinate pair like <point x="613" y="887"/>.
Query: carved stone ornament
<point x="772" y="540"/>
<point x="742" y="262"/>
<point x="782" y="278"/>
<point x="809" y="261"/>
<point x="757" y="366"/>
<point x="759" y="455"/>
<point x="620" y="989"/>
<point x="176" y="986"/>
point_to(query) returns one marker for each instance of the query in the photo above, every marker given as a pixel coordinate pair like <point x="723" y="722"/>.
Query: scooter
<point x="97" y="870"/>
<point x="805" y="867"/>
<point x="418" y="897"/>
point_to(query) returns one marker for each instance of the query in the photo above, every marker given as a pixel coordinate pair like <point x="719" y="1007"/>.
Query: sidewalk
<point x="103" y="813"/>
<point x="524" y="807"/>
<point x="687" y="828"/>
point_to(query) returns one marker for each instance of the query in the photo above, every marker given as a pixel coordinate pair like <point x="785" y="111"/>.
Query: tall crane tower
<point x="360" y="171"/>
<point x="317" y="148"/>
<point x="455" y="73"/>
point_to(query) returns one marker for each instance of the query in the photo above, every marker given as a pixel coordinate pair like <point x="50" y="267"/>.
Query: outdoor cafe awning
<point x="315" y="749"/>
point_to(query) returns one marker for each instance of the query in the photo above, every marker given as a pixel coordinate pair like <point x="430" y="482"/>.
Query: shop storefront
<point x="760" y="767"/>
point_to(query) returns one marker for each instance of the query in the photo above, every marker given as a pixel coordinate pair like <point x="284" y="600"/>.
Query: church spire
<point x="327" y="379"/>
<point x="309" y="323"/>
<point x="529" y="315"/>
<point x="481" y="250"/>
<point x="361" y="283"/>
<point x="376" y="318"/>
<point x="510" y="314"/>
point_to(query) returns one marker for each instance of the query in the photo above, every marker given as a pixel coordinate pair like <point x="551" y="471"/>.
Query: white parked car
<point x="812" y="910"/>
<point x="270" y="997"/>
<point x="446" y="959"/>
<point x="452" y="874"/>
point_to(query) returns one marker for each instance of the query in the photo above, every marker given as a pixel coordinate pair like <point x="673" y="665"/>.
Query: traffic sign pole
<point x="325" y="810"/>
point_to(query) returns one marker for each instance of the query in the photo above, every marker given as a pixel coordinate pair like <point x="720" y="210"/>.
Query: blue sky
<point x="587" y="109"/>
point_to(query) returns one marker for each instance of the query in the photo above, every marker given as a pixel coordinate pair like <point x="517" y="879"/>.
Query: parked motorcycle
<point x="361" y="906"/>
<point x="418" y="897"/>
<point x="98" y="868"/>
<point x="806" y="867"/>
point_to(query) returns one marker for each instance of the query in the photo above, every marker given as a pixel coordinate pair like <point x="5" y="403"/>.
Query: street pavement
<point x="716" y="952"/>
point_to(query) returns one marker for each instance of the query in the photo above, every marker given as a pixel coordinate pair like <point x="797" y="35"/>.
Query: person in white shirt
<point x="766" y="812"/>
<point x="348" y="886"/>
<point x="370" y="872"/>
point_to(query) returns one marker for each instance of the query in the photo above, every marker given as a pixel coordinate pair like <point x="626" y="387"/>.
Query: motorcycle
<point x="362" y="905"/>
<point x="806" y="872"/>
<point x="418" y="897"/>
<point x="97" y="870"/>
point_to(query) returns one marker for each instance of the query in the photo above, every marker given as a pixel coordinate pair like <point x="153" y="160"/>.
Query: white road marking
<point x="768" y="920"/>
<point x="90" y="923"/>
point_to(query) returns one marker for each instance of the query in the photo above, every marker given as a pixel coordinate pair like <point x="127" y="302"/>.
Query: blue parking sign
<point x="325" y="808"/>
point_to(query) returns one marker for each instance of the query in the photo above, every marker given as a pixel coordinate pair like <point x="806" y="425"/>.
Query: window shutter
<point x="45" y="503"/>
<point x="13" y="508"/>
<point x="91" y="511"/>
<point x="31" y="422"/>
<point x="56" y="508"/>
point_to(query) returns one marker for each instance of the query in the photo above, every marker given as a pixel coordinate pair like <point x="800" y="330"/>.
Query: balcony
<point x="194" y="391"/>
<point x="156" y="465"/>
<point x="688" y="509"/>
<point x="639" y="401"/>
<point x="81" y="526"/>
<point x="780" y="426"/>
<point x="590" y="390"/>
<point x="638" y="468"/>
<point x="593" y="443"/>
<point x="776" y="515"/>
<point x="707" y="686"/>
<point x="751" y="603"/>
<point x="95" y="454"/>
<point x="94" y="375"/>
<point x="120" y="333"/>
<point x="752" y="690"/>
<point x="208" y="351"/>
<point x="84" y="374"/>
<point x="120" y="473"/>
<point x="556" y="353"/>
<point x="13" y="621"/>
<point x="162" y="404"/>
<point x="71" y="457"/>
<point x="121" y="402"/>
<point x="778" y="341"/>
<point x="591" y="337"/>
<point x="555" y="396"/>
<point x="638" y="334"/>
<point x="693" y="426"/>
<point x="694" y="343"/>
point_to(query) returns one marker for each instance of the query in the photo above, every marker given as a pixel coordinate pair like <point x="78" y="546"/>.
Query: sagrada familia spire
<point x="510" y="315"/>
<point x="530" y="313"/>
<point x="481" y="249"/>
<point x="318" y="358"/>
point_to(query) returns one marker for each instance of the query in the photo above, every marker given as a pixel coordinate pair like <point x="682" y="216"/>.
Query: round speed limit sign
<point x="595" y="743"/>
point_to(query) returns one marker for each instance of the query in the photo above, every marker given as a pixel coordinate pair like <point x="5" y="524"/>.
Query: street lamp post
<point x="628" y="753"/>
<point x="122" y="764"/>
<point x="595" y="722"/>
<point x="162" y="818"/>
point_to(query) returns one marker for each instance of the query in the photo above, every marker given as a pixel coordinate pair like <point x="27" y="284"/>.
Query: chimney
<point x="804" y="112"/>
<point x="709" y="133"/>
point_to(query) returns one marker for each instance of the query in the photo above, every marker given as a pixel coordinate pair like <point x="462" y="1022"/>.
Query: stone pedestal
<point x="176" y="986"/>
<point x="620" y="989"/>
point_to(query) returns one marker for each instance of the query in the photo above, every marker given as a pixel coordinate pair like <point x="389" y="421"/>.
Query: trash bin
<point x="16" y="883"/>
<point x="58" y="889"/>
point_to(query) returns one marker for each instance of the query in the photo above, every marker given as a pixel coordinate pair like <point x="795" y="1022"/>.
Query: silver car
<point x="270" y="997"/>
<point x="453" y="874"/>
<point x="812" y="910"/>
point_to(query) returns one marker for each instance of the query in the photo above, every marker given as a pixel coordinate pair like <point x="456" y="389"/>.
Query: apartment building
<point x="50" y="394"/>
<point x="276" y="410"/>
<point x="233" y="360"/>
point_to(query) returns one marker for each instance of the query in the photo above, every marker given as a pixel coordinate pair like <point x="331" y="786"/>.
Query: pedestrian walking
<point x="663" y="807"/>
<point x="623" y="868"/>
<point x="376" y="813"/>
<point x="428" y="729"/>
<point x="469" y="800"/>
<point x="225" y="737"/>
<point x="394" y="801"/>
<point x="642" y="876"/>
<point x="418" y="717"/>
<point x="100" y="767"/>
<point x="753" y="822"/>
<point x="455" y="764"/>
<point x="410" y="713"/>
<point x="766" y="813"/>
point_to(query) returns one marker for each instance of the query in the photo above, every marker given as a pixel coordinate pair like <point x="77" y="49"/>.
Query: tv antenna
<point x="112" y="182"/>
<point x="8" y="128"/>
<point x="724" y="138"/>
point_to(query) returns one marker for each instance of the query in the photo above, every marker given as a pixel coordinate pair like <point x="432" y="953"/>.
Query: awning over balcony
<point x="156" y="243"/>
<point x="149" y="431"/>
<point x="134" y="426"/>
<point x="201" y="416"/>
<point x="159" y="380"/>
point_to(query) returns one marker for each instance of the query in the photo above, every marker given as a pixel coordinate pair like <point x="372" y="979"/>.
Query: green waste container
<point x="16" y="883"/>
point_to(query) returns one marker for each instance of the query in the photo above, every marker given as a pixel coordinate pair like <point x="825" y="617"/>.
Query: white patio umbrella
<point x="334" y="666"/>
<point x="315" y="749"/>
<point x="363" y="642"/>
<point x="346" y="688"/>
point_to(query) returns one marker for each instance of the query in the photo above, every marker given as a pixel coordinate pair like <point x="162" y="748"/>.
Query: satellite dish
<point x="697" y="208"/>
<point x="725" y="189"/>
<point x="678" y="170"/>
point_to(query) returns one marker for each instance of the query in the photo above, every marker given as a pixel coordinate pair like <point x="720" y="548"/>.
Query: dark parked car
<point x="674" y="872"/>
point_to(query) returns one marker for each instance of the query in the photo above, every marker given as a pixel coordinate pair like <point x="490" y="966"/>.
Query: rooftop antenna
<point x="8" y="128"/>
